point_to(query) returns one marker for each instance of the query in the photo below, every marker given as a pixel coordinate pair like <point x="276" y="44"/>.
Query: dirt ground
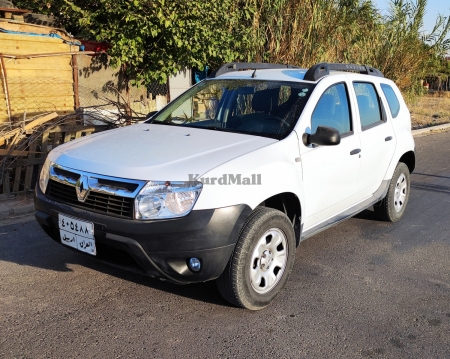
<point x="430" y="110"/>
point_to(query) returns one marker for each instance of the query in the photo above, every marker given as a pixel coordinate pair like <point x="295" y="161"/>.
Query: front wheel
<point x="393" y="205"/>
<point x="262" y="260"/>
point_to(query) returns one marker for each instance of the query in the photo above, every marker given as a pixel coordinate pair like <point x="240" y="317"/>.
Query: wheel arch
<point x="404" y="152"/>
<point x="289" y="204"/>
<point x="409" y="159"/>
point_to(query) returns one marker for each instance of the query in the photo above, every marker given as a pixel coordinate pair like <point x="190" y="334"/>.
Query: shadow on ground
<point x="35" y="249"/>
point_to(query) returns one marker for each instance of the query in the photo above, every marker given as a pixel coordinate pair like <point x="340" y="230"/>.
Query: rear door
<point x="377" y="137"/>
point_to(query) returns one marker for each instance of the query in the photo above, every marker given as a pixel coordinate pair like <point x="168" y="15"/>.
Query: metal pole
<point x="75" y="82"/>
<point x="5" y="87"/>
<point x="168" y="90"/>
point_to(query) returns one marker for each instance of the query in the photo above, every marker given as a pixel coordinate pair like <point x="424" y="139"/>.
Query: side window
<point x="368" y="104"/>
<point x="332" y="110"/>
<point x="392" y="99"/>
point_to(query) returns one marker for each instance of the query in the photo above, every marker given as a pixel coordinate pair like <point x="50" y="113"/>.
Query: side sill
<point x="379" y="194"/>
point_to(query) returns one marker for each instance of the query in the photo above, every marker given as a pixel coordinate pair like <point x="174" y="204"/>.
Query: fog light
<point x="194" y="264"/>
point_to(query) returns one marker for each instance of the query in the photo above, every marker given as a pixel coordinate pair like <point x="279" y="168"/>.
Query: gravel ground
<point x="361" y="289"/>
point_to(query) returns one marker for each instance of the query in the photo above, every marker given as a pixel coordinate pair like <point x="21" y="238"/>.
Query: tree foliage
<point x="353" y="31"/>
<point x="156" y="38"/>
<point x="153" y="39"/>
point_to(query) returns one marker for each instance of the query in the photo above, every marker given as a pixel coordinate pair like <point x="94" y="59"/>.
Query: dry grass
<point x="430" y="111"/>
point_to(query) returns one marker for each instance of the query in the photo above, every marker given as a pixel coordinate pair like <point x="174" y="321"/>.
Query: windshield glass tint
<point x="257" y="107"/>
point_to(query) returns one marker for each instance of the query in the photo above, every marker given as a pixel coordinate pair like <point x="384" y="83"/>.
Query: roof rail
<point x="236" y="66"/>
<point x="322" y="69"/>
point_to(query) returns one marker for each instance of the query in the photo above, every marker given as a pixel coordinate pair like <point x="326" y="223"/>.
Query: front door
<point x="330" y="173"/>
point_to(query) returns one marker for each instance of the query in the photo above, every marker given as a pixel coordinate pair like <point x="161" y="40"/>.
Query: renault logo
<point x="82" y="188"/>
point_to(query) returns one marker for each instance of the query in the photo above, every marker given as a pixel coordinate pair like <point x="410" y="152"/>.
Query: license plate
<point x="77" y="233"/>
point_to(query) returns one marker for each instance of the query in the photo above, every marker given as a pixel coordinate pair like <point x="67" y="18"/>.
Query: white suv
<point x="229" y="177"/>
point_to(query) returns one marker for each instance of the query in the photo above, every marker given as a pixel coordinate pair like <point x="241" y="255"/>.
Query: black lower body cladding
<point x="159" y="248"/>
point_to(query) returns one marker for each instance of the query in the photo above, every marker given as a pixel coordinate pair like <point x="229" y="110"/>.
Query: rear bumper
<point x="159" y="248"/>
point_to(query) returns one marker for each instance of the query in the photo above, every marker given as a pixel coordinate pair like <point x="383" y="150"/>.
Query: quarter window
<point x="332" y="110"/>
<point x="368" y="104"/>
<point x="391" y="97"/>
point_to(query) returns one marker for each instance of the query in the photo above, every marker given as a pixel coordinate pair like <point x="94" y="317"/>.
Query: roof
<point x="272" y="74"/>
<point x="282" y="72"/>
<point x="29" y="29"/>
<point x="289" y="75"/>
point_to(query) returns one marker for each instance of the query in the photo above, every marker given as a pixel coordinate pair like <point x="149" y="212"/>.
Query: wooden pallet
<point x="24" y="165"/>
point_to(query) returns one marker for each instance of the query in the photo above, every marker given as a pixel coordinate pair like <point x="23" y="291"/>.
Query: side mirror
<point x="150" y="115"/>
<point x="324" y="136"/>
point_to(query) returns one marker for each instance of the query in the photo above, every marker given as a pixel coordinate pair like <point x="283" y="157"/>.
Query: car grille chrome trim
<point x="96" y="202"/>
<point x="103" y="194"/>
<point x="119" y="186"/>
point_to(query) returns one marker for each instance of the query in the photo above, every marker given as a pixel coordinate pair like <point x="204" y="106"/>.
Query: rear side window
<point x="368" y="104"/>
<point x="391" y="97"/>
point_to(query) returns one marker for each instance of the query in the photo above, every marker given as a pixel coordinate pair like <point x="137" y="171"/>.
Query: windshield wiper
<point x="217" y="128"/>
<point x="163" y="123"/>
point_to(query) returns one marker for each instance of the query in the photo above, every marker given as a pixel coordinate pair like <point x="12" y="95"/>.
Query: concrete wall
<point x="180" y="83"/>
<point x="99" y="83"/>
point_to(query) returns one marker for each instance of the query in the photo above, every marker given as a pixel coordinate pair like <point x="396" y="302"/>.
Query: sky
<point x="434" y="7"/>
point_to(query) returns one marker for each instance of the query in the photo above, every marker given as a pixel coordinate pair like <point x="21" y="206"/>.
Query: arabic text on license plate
<point x="77" y="233"/>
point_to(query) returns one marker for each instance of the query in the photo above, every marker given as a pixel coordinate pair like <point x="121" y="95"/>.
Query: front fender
<point x="270" y="170"/>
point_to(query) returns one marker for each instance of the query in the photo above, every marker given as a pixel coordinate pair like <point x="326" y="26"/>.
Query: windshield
<point x="256" y="107"/>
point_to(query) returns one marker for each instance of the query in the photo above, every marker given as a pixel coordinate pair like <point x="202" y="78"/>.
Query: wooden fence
<point x="23" y="166"/>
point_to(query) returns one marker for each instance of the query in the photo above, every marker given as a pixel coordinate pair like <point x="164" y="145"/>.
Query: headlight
<point x="158" y="200"/>
<point x="43" y="178"/>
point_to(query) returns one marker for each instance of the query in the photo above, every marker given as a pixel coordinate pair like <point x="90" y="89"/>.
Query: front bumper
<point x="159" y="248"/>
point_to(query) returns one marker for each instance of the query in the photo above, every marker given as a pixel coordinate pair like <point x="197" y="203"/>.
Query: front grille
<point x="96" y="202"/>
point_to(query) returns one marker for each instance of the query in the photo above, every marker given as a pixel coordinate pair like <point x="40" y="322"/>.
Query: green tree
<point x="39" y="6"/>
<point x="152" y="39"/>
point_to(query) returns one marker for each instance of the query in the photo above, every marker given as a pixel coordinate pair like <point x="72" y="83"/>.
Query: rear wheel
<point x="393" y="205"/>
<point x="262" y="260"/>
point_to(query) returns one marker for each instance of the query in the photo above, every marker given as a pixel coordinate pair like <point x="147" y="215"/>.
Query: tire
<point x="261" y="262"/>
<point x="393" y="205"/>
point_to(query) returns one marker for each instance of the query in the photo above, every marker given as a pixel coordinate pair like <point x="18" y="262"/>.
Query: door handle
<point x="355" y="151"/>
<point x="388" y="138"/>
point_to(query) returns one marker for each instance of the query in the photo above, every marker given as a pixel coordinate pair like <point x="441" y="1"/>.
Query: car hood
<point x="155" y="152"/>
